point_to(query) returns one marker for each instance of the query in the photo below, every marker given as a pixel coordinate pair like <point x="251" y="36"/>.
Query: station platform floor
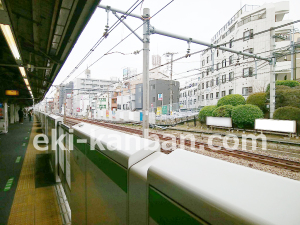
<point x="27" y="196"/>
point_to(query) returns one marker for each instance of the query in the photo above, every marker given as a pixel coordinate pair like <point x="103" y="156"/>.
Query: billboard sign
<point x="159" y="97"/>
<point x="158" y="111"/>
<point x="165" y="110"/>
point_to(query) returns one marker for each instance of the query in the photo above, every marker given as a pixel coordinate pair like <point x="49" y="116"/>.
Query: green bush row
<point x="288" y="83"/>
<point x="287" y="113"/>
<point x="243" y="116"/>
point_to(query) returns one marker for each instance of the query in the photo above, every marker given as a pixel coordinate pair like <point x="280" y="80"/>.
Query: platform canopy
<point x="36" y="38"/>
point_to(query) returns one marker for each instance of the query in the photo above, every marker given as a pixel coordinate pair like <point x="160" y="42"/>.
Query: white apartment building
<point x="90" y="87"/>
<point x="224" y="73"/>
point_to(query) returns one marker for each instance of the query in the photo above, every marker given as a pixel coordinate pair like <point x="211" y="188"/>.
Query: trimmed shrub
<point x="244" y="115"/>
<point x="286" y="96"/>
<point x="258" y="99"/>
<point x="287" y="113"/>
<point x="206" y="111"/>
<point x="223" y="111"/>
<point x="233" y="99"/>
<point x="288" y="83"/>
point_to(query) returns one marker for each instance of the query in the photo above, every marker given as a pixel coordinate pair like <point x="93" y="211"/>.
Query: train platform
<point x="27" y="192"/>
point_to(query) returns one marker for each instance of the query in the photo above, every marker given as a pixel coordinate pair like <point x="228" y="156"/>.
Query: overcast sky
<point x="199" y="19"/>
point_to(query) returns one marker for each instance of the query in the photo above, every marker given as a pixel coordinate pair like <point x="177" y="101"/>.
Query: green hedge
<point x="286" y="96"/>
<point x="223" y="111"/>
<point x="206" y="111"/>
<point x="287" y="113"/>
<point x="288" y="83"/>
<point x="258" y="99"/>
<point x="244" y="116"/>
<point x="233" y="99"/>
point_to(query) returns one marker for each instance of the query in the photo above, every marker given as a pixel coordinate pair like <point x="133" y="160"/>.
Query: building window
<point x="211" y="95"/>
<point x="223" y="78"/>
<point x="231" y="76"/>
<point x="207" y="72"/>
<point x="206" y="96"/>
<point x="195" y="91"/>
<point x="217" y="81"/>
<point x="230" y="91"/>
<point x="153" y="99"/>
<point x="223" y="63"/>
<point x="203" y="62"/>
<point x="231" y="60"/>
<point x="223" y="93"/>
<point x="218" y="66"/>
<point x="202" y="74"/>
<point x="231" y="43"/>
<point x="246" y="91"/>
<point x="199" y="87"/>
<point x="248" y="72"/>
<point x="153" y="87"/>
<point x="207" y="84"/>
<point x="217" y="95"/>
<point x="202" y="85"/>
<point x="207" y="59"/>
<point x="217" y="53"/>
<point x="225" y="47"/>
<point x="212" y="83"/>
<point x="202" y="97"/>
<point x="248" y="35"/>
<point x="194" y="101"/>
<point x="249" y="50"/>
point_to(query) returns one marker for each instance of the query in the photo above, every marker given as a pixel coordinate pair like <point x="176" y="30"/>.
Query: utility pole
<point x="146" y="49"/>
<point x="171" y="89"/>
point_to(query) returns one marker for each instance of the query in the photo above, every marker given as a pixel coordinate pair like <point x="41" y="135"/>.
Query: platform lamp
<point x="7" y="32"/>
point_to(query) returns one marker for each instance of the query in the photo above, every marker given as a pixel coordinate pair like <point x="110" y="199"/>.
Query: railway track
<point x="266" y="160"/>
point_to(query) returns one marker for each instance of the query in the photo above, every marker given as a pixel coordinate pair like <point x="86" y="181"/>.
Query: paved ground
<point x="31" y="198"/>
<point x="12" y="145"/>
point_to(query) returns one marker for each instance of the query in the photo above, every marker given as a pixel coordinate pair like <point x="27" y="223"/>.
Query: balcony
<point x="285" y="28"/>
<point x="281" y="44"/>
<point x="284" y="66"/>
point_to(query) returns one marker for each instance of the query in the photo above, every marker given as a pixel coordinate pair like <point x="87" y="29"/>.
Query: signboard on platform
<point x="12" y="92"/>
<point x="107" y="113"/>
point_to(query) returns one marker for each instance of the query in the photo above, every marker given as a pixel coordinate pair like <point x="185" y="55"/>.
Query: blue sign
<point x="141" y="116"/>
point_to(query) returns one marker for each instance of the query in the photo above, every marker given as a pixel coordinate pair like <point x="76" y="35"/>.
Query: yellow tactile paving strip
<point x="33" y="205"/>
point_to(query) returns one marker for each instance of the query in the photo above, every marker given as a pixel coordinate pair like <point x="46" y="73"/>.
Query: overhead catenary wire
<point x="223" y="43"/>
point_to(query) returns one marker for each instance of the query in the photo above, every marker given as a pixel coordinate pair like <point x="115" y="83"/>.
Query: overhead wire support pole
<point x="132" y="31"/>
<point x="120" y="11"/>
<point x="183" y="38"/>
<point x="272" y="75"/>
<point x="292" y="53"/>
<point x="146" y="49"/>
